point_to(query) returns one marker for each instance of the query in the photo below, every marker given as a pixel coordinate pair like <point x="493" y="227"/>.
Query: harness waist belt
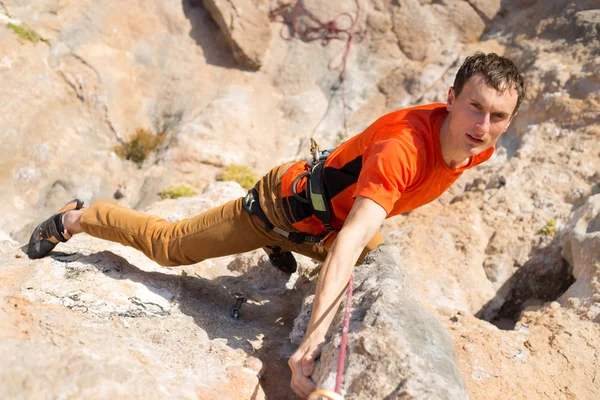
<point x="251" y="204"/>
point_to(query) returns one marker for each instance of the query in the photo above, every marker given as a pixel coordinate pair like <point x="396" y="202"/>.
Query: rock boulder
<point x="396" y="348"/>
<point x="245" y="25"/>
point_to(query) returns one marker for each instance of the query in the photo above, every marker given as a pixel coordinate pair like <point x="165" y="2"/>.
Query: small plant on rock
<point x="549" y="229"/>
<point x="176" y="192"/>
<point x="140" y="146"/>
<point x="241" y="174"/>
<point x="340" y="136"/>
<point x="24" y="32"/>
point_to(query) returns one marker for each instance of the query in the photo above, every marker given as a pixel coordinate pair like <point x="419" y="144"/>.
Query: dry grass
<point x="241" y="174"/>
<point x="139" y="147"/>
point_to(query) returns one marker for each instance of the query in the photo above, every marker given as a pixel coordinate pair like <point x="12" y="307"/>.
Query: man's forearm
<point x="332" y="282"/>
<point x="360" y="227"/>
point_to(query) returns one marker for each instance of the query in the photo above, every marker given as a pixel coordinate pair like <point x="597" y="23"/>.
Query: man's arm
<point x="362" y="223"/>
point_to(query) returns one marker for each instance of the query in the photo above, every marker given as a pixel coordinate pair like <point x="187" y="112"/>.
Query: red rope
<point x="339" y="378"/>
<point x="315" y="29"/>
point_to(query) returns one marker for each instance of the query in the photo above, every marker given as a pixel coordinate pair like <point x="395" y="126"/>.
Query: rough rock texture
<point x="552" y="347"/>
<point x="99" y="320"/>
<point x="426" y="30"/>
<point x="245" y="24"/>
<point x="581" y="249"/>
<point x="396" y="349"/>
<point x="507" y="240"/>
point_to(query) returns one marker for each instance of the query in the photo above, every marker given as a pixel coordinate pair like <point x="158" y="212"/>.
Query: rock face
<point x="507" y="259"/>
<point x="245" y="24"/>
<point x="396" y="349"/>
<point x="581" y="249"/>
<point x="424" y="30"/>
<point x="553" y="347"/>
<point x="96" y="319"/>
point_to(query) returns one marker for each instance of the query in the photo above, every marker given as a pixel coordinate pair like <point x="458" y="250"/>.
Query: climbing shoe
<point x="50" y="232"/>
<point x="283" y="261"/>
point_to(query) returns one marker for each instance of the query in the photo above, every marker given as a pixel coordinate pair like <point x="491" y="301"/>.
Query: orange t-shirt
<point x="396" y="162"/>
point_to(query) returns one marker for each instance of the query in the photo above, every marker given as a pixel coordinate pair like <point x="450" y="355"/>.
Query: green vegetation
<point x="24" y="32"/>
<point x="176" y="192"/>
<point x="339" y="138"/>
<point x="140" y="146"/>
<point x="549" y="229"/>
<point x="242" y="174"/>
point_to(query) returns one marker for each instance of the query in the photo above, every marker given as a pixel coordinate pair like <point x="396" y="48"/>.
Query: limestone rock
<point x="503" y="364"/>
<point x="489" y="8"/>
<point x="99" y="319"/>
<point x="423" y="30"/>
<point x="449" y="273"/>
<point x="245" y="25"/>
<point x="396" y="348"/>
<point x="582" y="249"/>
<point x="104" y="69"/>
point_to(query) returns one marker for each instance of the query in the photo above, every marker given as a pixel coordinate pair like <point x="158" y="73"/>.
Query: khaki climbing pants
<point x="225" y="230"/>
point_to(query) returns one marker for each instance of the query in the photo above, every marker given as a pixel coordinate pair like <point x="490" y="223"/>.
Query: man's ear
<point x="450" y="100"/>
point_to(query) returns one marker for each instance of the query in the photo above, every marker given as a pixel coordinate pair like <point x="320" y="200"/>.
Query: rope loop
<point x="299" y="22"/>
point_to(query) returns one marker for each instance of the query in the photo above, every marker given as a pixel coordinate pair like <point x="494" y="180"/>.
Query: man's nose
<point x="483" y="125"/>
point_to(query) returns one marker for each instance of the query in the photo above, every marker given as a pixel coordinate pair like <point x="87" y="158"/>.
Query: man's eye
<point x="477" y="106"/>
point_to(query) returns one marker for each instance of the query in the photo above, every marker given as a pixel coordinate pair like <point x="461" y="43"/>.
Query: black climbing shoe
<point x="284" y="261"/>
<point x="50" y="232"/>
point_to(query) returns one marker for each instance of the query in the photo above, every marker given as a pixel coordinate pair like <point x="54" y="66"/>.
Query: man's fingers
<point x="308" y="365"/>
<point x="302" y="386"/>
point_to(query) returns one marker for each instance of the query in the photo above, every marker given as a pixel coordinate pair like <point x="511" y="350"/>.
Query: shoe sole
<point x="39" y="247"/>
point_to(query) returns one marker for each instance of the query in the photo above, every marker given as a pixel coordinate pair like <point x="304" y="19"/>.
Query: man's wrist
<point x="316" y="336"/>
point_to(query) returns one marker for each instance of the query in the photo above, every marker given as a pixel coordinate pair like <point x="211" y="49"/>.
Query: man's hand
<point x="302" y="364"/>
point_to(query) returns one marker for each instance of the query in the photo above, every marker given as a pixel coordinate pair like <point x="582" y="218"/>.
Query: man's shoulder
<point x="421" y="118"/>
<point x="416" y="125"/>
<point x="416" y="112"/>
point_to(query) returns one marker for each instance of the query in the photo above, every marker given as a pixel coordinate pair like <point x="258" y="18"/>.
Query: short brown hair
<point x="499" y="72"/>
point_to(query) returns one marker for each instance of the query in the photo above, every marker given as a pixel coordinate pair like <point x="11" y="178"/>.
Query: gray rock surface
<point x="99" y="320"/>
<point x="396" y="348"/>
<point x="425" y="30"/>
<point x="581" y="248"/>
<point x="505" y="243"/>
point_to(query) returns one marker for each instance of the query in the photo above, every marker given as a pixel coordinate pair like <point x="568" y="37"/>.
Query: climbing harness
<point x="339" y="377"/>
<point x="317" y="198"/>
<point x="252" y="205"/>
<point x="315" y="185"/>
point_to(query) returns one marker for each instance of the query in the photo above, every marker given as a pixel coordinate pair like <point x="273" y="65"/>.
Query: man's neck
<point x="449" y="155"/>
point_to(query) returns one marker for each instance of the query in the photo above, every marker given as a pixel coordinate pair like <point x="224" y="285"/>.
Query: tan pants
<point x="221" y="231"/>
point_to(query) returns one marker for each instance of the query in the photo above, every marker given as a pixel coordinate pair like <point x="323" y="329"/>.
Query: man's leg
<point x="221" y="231"/>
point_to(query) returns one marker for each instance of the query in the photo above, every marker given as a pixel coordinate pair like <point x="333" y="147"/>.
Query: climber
<point x="330" y="208"/>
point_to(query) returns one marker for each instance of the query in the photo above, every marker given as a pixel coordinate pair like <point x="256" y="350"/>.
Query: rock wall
<point x="509" y="238"/>
<point x="581" y="248"/>
<point x="99" y="320"/>
<point x="397" y="349"/>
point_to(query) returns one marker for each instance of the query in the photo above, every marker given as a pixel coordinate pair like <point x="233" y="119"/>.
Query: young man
<point x="402" y="161"/>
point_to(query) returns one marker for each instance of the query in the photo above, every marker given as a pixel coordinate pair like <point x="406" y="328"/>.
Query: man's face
<point x="478" y="116"/>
